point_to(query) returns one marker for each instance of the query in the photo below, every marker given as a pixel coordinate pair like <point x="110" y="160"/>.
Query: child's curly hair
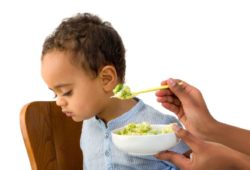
<point x="92" y="43"/>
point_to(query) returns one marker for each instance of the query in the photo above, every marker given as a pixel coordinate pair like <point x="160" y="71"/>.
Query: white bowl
<point x="144" y="144"/>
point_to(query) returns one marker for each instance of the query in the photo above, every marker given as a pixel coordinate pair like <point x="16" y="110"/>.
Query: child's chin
<point x="76" y="119"/>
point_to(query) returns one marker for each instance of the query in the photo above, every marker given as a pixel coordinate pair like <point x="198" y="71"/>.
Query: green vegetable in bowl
<point x="143" y="128"/>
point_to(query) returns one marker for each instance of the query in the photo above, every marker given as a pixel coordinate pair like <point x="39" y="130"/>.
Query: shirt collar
<point x="127" y="115"/>
<point x="122" y="118"/>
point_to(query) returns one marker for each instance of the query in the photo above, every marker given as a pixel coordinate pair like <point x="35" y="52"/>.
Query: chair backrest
<point x="52" y="139"/>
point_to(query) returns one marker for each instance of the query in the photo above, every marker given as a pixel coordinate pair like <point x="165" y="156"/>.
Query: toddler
<point x="82" y="61"/>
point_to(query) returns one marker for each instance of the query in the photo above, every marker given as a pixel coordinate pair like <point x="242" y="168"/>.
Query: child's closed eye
<point x="68" y="93"/>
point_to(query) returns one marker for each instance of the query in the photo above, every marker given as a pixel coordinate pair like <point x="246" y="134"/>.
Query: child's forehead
<point x="58" y="56"/>
<point x="58" y="61"/>
<point x="58" y="71"/>
<point x="70" y="60"/>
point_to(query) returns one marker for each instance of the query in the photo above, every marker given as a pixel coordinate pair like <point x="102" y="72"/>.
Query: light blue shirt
<point x="100" y="153"/>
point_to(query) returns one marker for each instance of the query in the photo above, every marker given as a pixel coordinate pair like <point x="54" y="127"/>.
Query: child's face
<point x="78" y="94"/>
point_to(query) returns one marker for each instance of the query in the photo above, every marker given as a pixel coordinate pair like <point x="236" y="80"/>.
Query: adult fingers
<point x="179" y="160"/>
<point x="169" y="99"/>
<point x="164" y="92"/>
<point x="180" y="88"/>
<point x="171" y="107"/>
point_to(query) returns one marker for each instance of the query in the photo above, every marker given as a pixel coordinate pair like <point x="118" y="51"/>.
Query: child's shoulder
<point x="156" y="116"/>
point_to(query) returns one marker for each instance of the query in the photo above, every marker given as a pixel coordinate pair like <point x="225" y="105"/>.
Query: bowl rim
<point x="147" y="135"/>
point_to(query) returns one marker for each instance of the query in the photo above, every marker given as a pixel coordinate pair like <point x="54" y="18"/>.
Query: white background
<point x="204" y="43"/>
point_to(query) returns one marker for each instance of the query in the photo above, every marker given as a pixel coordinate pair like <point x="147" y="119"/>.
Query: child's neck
<point x="116" y="108"/>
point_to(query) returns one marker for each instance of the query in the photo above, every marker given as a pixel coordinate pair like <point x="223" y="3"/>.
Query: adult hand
<point x="188" y="104"/>
<point x="206" y="155"/>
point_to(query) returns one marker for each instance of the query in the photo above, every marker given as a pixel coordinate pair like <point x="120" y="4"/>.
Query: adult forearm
<point x="233" y="137"/>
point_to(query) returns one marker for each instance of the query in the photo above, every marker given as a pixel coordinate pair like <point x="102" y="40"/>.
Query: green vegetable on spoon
<point x="123" y="92"/>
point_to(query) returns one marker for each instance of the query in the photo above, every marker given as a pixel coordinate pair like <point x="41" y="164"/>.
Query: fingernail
<point x="176" y="128"/>
<point x="171" y="82"/>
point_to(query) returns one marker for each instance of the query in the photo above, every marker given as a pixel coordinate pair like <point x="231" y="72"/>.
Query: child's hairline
<point x="79" y="63"/>
<point x="71" y="54"/>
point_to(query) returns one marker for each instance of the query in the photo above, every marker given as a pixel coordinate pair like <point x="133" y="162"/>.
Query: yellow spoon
<point x="123" y="92"/>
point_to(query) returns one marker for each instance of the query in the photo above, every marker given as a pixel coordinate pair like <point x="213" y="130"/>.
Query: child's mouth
<point x="69" y="114"/>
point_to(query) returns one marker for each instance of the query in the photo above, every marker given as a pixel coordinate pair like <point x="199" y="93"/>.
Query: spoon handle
<point x="151" y="89"/>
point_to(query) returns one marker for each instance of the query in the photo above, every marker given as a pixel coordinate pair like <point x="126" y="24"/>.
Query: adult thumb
<point x="180" y="88"/>
<point x="192" y="141"/>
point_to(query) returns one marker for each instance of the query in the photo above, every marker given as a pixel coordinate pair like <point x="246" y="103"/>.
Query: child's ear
<point x="108" y="77"/>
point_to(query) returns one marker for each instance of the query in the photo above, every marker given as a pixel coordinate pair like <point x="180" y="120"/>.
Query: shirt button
<point x="107" y="153"/>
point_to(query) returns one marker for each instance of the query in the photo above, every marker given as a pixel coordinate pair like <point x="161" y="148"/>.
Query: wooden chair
<point x="52" y="140"/>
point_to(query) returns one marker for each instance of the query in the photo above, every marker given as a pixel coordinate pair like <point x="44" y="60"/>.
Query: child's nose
<point x="60" y="101"/>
